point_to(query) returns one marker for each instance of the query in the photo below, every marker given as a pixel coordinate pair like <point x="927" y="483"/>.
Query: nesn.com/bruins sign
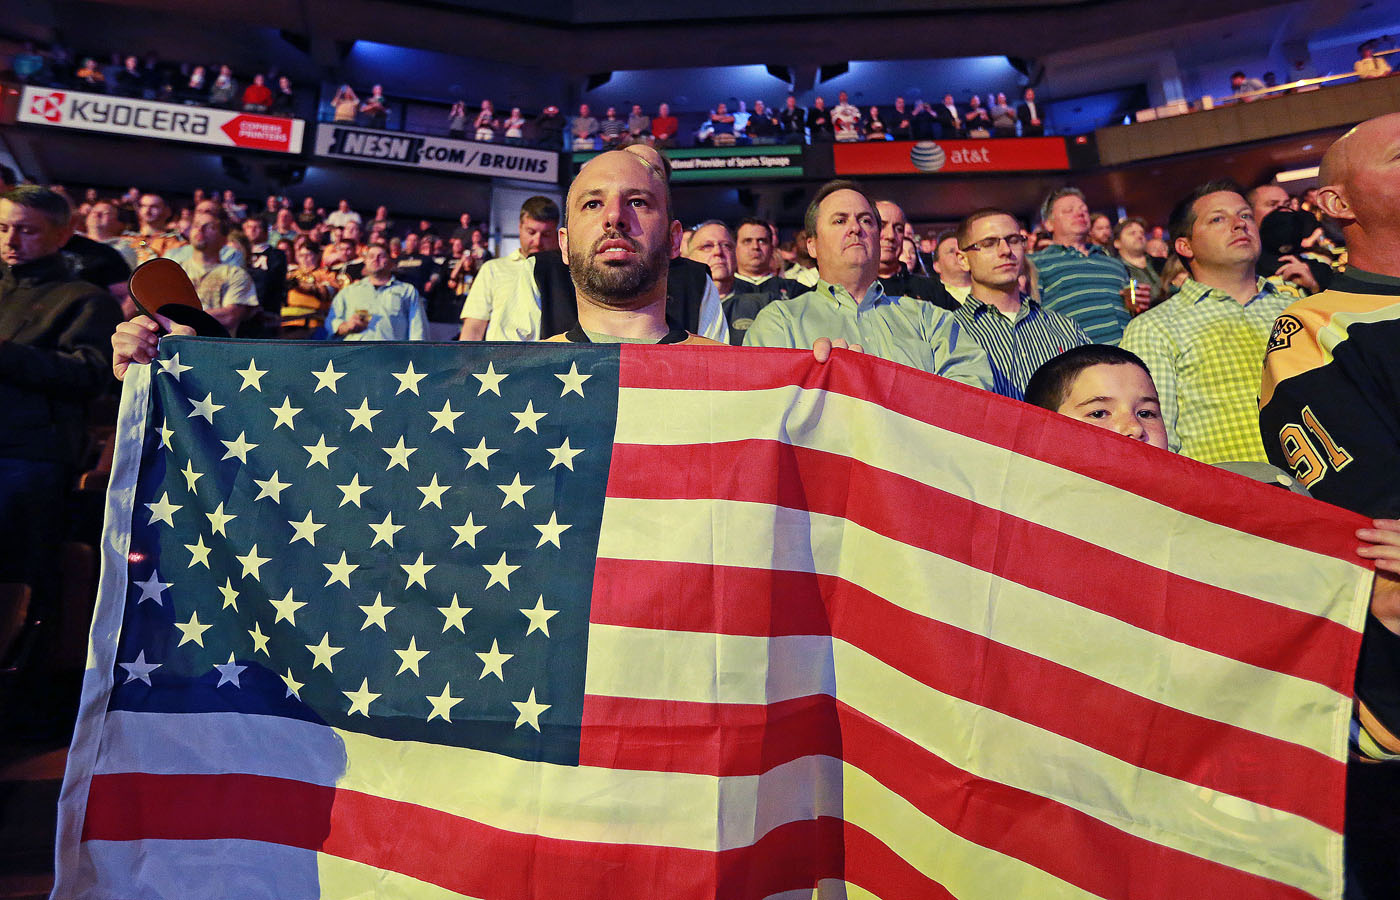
<point x="396" y="148"/>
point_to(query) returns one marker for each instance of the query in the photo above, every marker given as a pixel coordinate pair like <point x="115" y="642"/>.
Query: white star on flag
<point x="408" y="379"/>
<point x="363" y="417"/>
<point x="529" y="711"/>
<point x="573" y="381"/>
<point x="490" y="380"/>
<point x="564" y="455"/>
<point x="410" y="657"/>
<point x="191" y="476"/>
<point x="539" y="617"/>
<point x="238" y="449"/>
<point x="192" y="630"/>
<point x="294" y="687"/>
<point x="479" y="455"/>
<point x="305" y="530"/>
<point x="500" y="572"/>
<point x="199" y="554"/>
<point x="286" y="609"/>
<point x="327" y="377"/>
<point x="320" y="453"/>
<point x="252" y="376"/>
<point x="375" y="613"/>
<point x="528" y="418"/>
<point x="453" y="614"/>
<point x="399" y="454"/>
<point x="323" y="652"/>
<point x="417" y="572"/>
<point x="515" y="492"/>
<point x="466" y="532"/>
<point x="205" y="408"/>
<point x="228" y="672"/>
<point x="252" y="563"/>
<point x="139" y="669"/>
<point x="172" y="366"/>
<point x="492" y="661"/>
<point x="218" y="519"/>
<point x="163" y="510"/>
<point x="443" y="703"/>
<point x="152" y="588"/>
<point x="550" y="531"/>
<point x="350" y="493"/>
<point x="432" y="493"/>
<point x="340" y="571"/>
<point x="385" y="531"/>
<point x="284" y="413"/>
<point x="271" y="488"/>
<point x="361" y="699"/>
<point x="444" y="418"/>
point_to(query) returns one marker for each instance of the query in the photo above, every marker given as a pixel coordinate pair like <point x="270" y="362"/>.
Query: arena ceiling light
<point x="1296" y="174"/>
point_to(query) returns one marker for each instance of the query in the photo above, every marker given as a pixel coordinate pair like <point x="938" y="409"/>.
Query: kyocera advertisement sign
<point x="395" y="148"/>
<point x="938" y="157"/>
<point x="162" y="121"/>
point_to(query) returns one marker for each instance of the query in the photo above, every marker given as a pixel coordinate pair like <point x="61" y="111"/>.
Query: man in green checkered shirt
<point x="1205" y="346"/>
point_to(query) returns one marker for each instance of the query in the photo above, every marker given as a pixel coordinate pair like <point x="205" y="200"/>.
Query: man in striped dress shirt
<point x="1018" y="333"/>
<point x="1077" y="278"/>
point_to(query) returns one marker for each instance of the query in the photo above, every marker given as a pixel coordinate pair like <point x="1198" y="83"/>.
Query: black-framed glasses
<point x="1014" y="241"/>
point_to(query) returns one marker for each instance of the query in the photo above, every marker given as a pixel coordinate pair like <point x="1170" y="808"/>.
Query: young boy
<point x="1111" y="387"/>
<point x="1105" y="386"/>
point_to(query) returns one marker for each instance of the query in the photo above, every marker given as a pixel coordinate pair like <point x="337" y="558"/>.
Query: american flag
<point x="539" y="621"/>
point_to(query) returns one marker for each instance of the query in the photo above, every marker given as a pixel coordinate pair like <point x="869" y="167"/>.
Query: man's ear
<point x="1333" y="202"/>
<point x="677" y="234"/>
<point x="1182" y="246"/>
<point x="812" y="247"/>
<point x="963" y="262"/>
<point x="564" y="243"/>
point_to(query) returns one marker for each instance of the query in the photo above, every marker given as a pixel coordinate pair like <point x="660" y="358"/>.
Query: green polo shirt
<point x="903" y="329"/>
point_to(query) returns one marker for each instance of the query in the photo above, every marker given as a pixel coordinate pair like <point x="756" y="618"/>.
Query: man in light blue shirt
<point x="848" y="304"/>
<point x="378" y="307"/>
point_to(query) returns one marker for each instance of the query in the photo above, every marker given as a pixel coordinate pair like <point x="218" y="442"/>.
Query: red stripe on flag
<point x="1178" y="482"/>
<point x="874" y="866"/>
<point x="729" y="739"/>
<point x="1015" y="823"/>
<point x="1219" y="621"/>
<point x="450" y="851"/>
<point x="706" y="738"/>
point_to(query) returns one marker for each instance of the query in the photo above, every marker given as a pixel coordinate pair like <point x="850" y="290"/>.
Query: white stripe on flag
<point x="1100" y="514"/>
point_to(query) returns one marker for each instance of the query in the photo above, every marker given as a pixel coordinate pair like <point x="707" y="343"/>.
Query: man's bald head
<point x="646" y="159"/>
<point x="1360" y="190"/>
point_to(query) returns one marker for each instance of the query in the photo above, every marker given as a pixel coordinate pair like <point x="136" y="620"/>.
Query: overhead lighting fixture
<point x="1297" y="174"/>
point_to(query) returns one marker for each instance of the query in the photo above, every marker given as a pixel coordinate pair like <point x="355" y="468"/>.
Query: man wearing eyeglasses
<point x="1018" y="333"/>
<point x="849" y="304"/>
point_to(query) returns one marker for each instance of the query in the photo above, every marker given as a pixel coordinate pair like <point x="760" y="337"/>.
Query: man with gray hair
<point x="54" y="358"/>
<point x="849" y="304"/>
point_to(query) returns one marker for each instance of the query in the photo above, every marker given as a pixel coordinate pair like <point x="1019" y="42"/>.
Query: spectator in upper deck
<point x="585" y="129"/>
<point x="845" y="119"/>
<point x="1028" y="113"/>
<point x="762" y="127"/>
<point x="375" y="109"/>
<point x="664" y="126"/>
<point x="976" y="121"/>
<point x="457" y="120"/>
<point x="1370" y="65"/>
<point x="950" y="119"/>
<point x="819" y="121"/>
<point x="638" y="124"/>
<point x="257" y="97"/>
<point x="224" y="91"/>
<point x="283" y="99"/>
<point x="793" y="121"/>
<point x="612" y="128"/>
<point x="901" y="124"/>
<point x="1243" y="84"/>
<point x="486" y="125"/>
<point x="1003" y="118"/>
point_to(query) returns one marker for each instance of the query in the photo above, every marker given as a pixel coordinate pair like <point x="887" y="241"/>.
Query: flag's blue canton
<point x="338" y="580"/>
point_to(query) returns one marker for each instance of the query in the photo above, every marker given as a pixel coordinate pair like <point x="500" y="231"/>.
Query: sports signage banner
<point x="937" y="157"/>
<point x="161" y="121"/>
<point x="716" y="163"/>
<point x="395" y="148"/>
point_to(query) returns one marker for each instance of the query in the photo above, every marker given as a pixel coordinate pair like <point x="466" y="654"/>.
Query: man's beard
<point x="619" y="287"/>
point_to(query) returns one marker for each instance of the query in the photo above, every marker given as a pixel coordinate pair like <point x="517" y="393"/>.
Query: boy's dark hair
<point x="53" y="205"/>
<point x="753" y="220"/>
<point x="1051" y="383"/>
<point x="541" y="209"/>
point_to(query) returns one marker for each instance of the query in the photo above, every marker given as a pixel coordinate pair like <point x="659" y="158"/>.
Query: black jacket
<point x="685" y="289"/>
<point x="55" y="355"/>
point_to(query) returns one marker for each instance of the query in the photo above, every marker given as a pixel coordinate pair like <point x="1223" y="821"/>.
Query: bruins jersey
<point x="1330" y="414"/>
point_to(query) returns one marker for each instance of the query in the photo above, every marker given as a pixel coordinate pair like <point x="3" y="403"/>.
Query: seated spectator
<point x="741" y="118"/>
<point x="235" y="211"/>
<point x="638" y="124"/>
<point x="819" y="121"/>
<point x="977" y="122"/>
<point x="793" y="121"/>
<point x="1003" y="118"/>
<point x="763" y="126"/>
<point x="875" y="126"/>
<point x="485" y="124"/>
<point x="375" y="110"/>
<point x="612" y="128"/>
<point x="901" y="127"/>
<point x="513" y="127"/>
<point x="224" y="91"/>
<point x="284" y="227"/>
<point x="104" y="227"/>
<point x="1028" y="113"/>
<point x="722" y="126"/>
<point x="1370" y="65"/>
<point x="584" y="129"/>
<point x="283" y="99"/>
<point x="954" y="277"/>
<point x="457" y="121"/>
<point x="549" y="128"/>
<point x="257" y="97"/>
<point x="112" y="71"/>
